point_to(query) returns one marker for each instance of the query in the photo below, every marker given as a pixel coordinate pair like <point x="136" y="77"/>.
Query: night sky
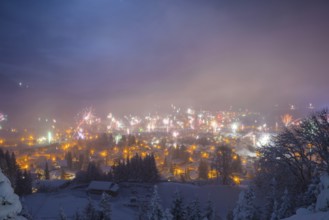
<point x="121" y="56"/>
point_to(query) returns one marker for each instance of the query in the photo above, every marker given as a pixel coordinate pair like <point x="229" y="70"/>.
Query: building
<point x="98" y="187"/>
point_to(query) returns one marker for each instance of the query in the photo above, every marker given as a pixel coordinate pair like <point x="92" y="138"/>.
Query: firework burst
<point x="86" y="122"/>
<point x="2" y="117"/>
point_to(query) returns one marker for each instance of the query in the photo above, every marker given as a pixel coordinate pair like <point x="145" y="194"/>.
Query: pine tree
<point x="194" y="212"/>
<point x="286" y="207"/>
<point x="14" y="167"/>
<point x="136" y="168"/>
<point x="165" y="162"/>
<point x="9" y="164"/>
<point x="172" y="168"/>
<point x="23" y="183"/>
<point x="47" y="177"/>
<point x="177" y="207"/>
<point x="80" y="163"/>
<point x="63" y="173"/>
<point x="3" y="164"/>
<point x="224" y="163"/>
<point x="155" y="208"/>
<point x="245" y="208"/>
<point x="27" y="182"/>
<point x="237" y="164"/>
<point x="105" y="207"/>
<point x="188" y="211"/>
<point x="203" y="170"/>
<point x="93" y="172"/>
<point x="209" y="211"/>
<point x="150" y="171"/>
<point x="19" y="189"/>
<point x="69" y="159"/>
<point x="90" y="211"/>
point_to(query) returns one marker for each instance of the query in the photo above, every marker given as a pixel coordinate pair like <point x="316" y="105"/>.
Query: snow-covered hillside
<point x="223" y="197"/>
<point x="310" y="216"/>
<point x="125" y="205"/>
<point x="320" y="210"/>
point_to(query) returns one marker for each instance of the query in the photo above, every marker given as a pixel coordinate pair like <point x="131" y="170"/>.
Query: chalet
<point x="98" y="187"/>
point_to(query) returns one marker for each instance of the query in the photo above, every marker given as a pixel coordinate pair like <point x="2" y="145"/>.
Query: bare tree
<point x="296" y="155"/>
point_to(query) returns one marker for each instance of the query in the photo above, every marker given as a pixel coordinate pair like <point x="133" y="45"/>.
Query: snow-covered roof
<point x="115" y="188"/>
<point x="103" y="186"/>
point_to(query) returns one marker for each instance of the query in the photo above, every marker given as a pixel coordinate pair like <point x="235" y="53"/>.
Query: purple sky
<point x="132" y="55"/>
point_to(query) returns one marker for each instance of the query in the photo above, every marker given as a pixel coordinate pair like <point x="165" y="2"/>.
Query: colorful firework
<point x="86" y="121"/>
<point x="114" y="124"/>
<point x="286" y="119"/>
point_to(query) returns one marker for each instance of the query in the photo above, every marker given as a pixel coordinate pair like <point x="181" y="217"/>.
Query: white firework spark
<point x="86" y="119"/>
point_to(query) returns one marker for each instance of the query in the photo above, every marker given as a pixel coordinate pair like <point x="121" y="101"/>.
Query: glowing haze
<point x="57" y="57"/>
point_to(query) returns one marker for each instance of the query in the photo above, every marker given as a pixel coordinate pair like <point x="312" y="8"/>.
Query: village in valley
<point x="124" y="157"/>
<point x="164" y="110"/>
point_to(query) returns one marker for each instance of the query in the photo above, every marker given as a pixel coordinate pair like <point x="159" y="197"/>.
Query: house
<point x="98" y="187"/>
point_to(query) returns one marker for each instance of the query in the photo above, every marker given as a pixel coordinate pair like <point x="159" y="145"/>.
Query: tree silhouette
<point x="47" y="177"/>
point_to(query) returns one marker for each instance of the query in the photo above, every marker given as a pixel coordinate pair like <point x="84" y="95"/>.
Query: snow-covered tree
<point x="245" y="208"/>
<point x="313" y="190"/>
<point x="10" y="206"/>
<point x="143" y="209"/>
<point x="105" y="207"/>
<point x="294" y="158"/>
<point x="193" y="210"/>
<point x="167" y="215"/>
<point x="155" y="208"/>
<point x="209" y="211"/>
<point x="188" y="211"/>
<point x="270" y="200"/>
<point x="285" y="209"/>
<point x="295" y="153"/>
<point x="62" y="215"/>
<point x="90" y="212"/>
<point x="322" y="201"/>
<point x="77" y="216"/>
<point x="177" y="207"/>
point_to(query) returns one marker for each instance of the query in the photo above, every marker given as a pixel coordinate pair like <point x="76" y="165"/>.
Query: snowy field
<point x="223" y="197"/>
<point x="124" y="206"/>
<point x="47" y="205"/>
<point x="311" y="216"/>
